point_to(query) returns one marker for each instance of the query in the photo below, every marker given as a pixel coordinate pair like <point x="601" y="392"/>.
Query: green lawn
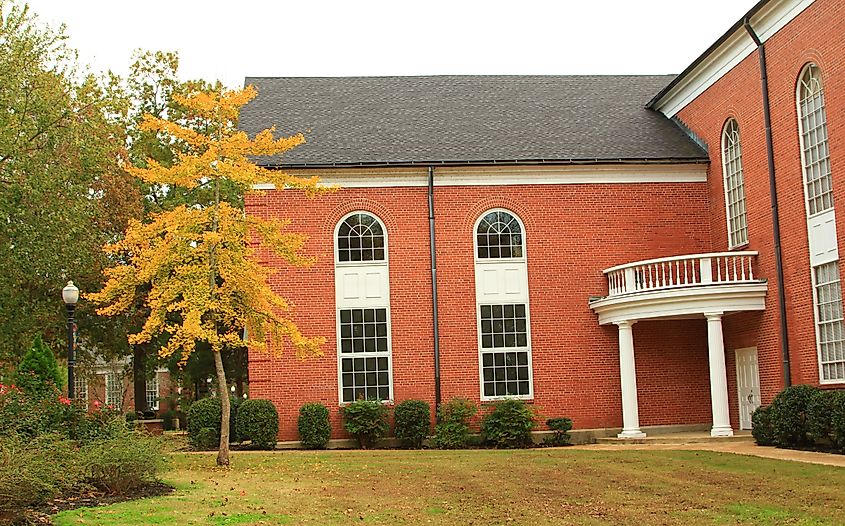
<point x="541" y="486"/>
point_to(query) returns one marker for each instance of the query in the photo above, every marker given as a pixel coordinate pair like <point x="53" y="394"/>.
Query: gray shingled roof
<point x="376" y="120"/>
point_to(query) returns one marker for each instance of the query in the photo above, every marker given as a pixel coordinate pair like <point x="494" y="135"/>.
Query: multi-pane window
<point x="734" y="185"/>
<point x="114" y="390"/>
<point x="152" y="393"/>
<point x="831" y="331"/>
<point x="360" y="237"/>
<point x="499" y="236"/>
<point x="821" y="225"/>
<point x="504" y="350"/>
<point x="814" y="145"/>
<point x="364" y="361"/>
<point x="363" y="309"/>
<point x="504" y="336"/>
<point x="80" y="388"/>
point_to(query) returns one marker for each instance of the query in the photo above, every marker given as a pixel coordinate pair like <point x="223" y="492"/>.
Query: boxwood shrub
<point x="561" y="427"/>
<point x="258" y="422"/>
<point x="761" y="426"/>
<point x="412" y="422"/>
<point x="314" y="426"/>
<point x="366" y="420"/>
<point x="509" y="424"/>
<point x="452" y="429"/>
<point x="204" y="414"/>
<point x="789" y="412"/>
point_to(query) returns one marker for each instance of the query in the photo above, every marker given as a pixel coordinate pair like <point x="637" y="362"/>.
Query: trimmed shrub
<point x="560" y="426"/>
<point x="789" y="416"/>
<point x="412" y="421"/>
<point x="452" y="430"/>
<point x="509" y="424"/>
<point x="761" y="426"/>
<point x="205" y="413"/>
<point x="38" y="370"/>
<point x="313" y="425"/>
<point x="258" y="422"/>
<point x="234" y="406"/>
<point x="366" y="420"/>
<point x="819" y="409"/>
<point x="837" y="418"/>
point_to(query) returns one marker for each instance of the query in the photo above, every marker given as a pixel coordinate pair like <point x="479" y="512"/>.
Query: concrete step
<point x="678" y="438"/>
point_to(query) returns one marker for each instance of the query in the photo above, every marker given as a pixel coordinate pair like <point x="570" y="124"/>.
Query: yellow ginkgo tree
<point x="195" y="267"/>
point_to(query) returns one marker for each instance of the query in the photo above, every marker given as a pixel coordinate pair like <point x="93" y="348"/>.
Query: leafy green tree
<point x="38" y="371"/>
<point x="63" y="191"/>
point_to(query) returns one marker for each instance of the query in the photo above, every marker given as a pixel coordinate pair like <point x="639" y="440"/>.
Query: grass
<point x="480" y="487"/>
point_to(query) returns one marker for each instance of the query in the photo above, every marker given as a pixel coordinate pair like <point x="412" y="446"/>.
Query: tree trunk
<point x="139" y="377"/>
<point x="223" y="390"/>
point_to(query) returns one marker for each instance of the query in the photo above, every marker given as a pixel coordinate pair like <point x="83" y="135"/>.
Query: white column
<point x="718" y="376"/>
<point x="628" y="376"/>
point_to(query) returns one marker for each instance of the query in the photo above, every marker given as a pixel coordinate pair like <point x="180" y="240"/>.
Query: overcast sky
<point x="230" y="40"/>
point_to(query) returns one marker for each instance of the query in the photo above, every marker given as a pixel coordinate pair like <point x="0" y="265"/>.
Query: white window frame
<point x="375" y="305"/>
<point x="153" y="404"/>
<point x="479" y="263"/>
<point x="737" y="221"/>
<point x="112" y="398"/>
<point x="80" y="388"/>
<point x="814" y="265"/>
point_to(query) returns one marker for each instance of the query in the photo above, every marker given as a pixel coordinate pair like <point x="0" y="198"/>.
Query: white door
<point x="748" y="384"/>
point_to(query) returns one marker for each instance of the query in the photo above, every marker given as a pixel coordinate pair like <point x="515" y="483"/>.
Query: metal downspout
<point x="770" y="156"/>
<point x="434" y="310"/>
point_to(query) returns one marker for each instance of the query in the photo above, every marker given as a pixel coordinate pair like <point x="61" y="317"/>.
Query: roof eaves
<point x="737" y="26"/>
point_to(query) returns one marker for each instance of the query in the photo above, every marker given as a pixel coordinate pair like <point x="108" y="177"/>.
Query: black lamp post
<point x="70" y="294"/>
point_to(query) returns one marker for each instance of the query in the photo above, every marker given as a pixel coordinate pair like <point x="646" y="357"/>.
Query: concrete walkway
<point x="738" y="448"/>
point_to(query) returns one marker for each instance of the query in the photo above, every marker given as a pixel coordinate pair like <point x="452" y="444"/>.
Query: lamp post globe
<point x="70" y="295"/>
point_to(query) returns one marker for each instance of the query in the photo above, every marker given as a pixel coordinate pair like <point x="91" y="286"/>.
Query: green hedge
<point x="204" y="415"/>
<point x="452" y="430"/>
<point x="412" y="421"/>
<point x="508" y="425"/>
<point x="561" y="427"/>
<point x="366" y="420"/>
<point x="314" y="426"/>
<point x="258" y="422"/>
<point x="802" y="416"/>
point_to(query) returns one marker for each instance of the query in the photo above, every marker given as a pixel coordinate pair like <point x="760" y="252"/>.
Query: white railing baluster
<point x="681" y="271"/>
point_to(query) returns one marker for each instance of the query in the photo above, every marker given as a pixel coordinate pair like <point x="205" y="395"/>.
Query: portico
<point x="708" y="286"/>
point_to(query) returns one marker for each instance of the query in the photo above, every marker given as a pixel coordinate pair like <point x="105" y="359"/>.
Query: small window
<point x="360" y="237"/>
<point x="814" y="141"/>
<point x="80" y="388"/>
<point x="152" y="393"/>
<point x="114" y="390"/>
<point x="734" y="185"/>
<point x="499" y="235"/>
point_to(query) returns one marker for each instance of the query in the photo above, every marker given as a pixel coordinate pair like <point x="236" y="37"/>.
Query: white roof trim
<point x="499" y="176"/>
<point x="766" y="22"/>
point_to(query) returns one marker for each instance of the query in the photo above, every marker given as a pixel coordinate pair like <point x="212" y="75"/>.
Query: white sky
<point x="234" y="39"/>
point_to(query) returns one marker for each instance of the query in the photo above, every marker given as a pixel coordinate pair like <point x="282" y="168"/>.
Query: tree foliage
<point x="63" y="192"/>
<point x="38" y="371"/>
<point x="197" y="264"/>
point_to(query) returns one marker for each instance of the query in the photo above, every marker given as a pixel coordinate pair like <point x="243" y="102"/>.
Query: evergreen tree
<point x="38" y="370"/>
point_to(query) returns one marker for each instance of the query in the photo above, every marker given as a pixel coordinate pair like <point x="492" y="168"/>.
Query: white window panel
<point x="80" y="388"/>
<point x="829" y="322"/>
<point x="114" y="390"/>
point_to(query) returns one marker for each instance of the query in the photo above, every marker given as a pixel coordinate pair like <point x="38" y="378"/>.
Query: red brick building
<point x="605" y="247"/>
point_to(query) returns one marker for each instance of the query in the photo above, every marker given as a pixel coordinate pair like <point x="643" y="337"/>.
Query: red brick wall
<point x="572" y="233"/>
<point x="814" y="36"/>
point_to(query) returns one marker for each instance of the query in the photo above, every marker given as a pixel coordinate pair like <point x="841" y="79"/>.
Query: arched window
<point x="821" y="225"/>
<point x="504" y="333"/>
<point x="499" y="235"/>
<point x="734" y="185"/>
<point x="360" y="237"/>
<point x="363" y="309"/>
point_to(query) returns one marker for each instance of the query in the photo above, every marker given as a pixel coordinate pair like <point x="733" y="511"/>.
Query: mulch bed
<point x="41" y="514"/>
